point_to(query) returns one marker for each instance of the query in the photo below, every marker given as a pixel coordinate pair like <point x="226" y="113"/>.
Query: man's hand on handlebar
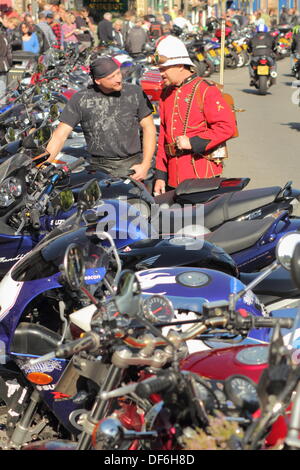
<point x="140" y="171"/>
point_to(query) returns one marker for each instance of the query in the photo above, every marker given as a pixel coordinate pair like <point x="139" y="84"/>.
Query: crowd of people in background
<point x="57" y="27"/>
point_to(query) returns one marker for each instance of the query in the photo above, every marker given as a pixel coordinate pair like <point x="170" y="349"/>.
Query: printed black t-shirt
<point x="110" y="123"/>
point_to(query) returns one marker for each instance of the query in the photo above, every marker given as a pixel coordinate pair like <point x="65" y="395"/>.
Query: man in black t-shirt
<point x="111" y="115"/>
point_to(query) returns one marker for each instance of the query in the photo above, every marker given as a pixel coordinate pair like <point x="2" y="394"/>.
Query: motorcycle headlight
<point x="10" y="189"/>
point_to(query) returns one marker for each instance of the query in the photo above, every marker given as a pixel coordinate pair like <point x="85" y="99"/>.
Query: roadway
<point x="267" y="149"/>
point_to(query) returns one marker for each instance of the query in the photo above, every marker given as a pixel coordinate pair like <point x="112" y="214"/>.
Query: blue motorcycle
<point x="44" y="409"/>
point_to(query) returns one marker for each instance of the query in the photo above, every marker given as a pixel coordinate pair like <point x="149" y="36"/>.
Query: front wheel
<point x="263" y="84"/>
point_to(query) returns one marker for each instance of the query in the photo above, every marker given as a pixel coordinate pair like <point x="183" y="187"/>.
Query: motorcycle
<point x="168" y="379"/>
<point x="264" y="73"/>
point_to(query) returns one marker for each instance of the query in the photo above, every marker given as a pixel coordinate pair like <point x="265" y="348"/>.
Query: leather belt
<point x="172" y="150"/>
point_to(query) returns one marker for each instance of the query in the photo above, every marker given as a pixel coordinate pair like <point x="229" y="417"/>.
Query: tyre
<point x="246" y="58"/>
<point x="241" y="60"/>
<point x="200" y="67"/>
<point x="263" y="84"/>
<point x="210" y="68"/>
<point x="231" y="60"/>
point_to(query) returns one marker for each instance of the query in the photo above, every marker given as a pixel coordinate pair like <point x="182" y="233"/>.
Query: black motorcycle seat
<point x="192" y="190"/>
<point x="231" y="205"/>
<point x="197" y="185"/>
<point x="30" y="338"/>
<point x="279" y="283"/>
<point x="221" y="209"/>
<point x="237" y="236"/>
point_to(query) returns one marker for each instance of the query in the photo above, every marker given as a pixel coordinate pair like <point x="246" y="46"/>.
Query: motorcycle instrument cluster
<point x="158" y="309"/>
<point x="10" y="189"/>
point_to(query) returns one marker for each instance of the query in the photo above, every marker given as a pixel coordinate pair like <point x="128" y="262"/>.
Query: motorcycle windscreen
<point x="13" y="164"/>
<point x="46" y="259"/>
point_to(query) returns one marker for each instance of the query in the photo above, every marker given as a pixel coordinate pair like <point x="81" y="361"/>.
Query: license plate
<point x="200" y="56"/>
<point x="212" y="53"/>
<point x="238" y="48"/>
<point x="226" y="50"/>
<point x="263" y="70"/>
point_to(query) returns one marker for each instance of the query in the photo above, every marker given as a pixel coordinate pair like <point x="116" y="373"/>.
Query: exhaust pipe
<point x="273" y="74"/>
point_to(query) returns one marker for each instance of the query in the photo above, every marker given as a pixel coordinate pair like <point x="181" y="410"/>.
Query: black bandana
<point x="103" y="66"/>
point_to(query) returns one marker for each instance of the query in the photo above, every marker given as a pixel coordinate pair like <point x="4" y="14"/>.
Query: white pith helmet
<point x="174" y="51"/>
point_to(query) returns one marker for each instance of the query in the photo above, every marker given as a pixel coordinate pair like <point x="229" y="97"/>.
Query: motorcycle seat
<point x="30" y="338"/>
<point x="229" y="206"/>
<point x="197" y="190"/>
<point x="278" y="284"/>
<point x="237" y="236"/>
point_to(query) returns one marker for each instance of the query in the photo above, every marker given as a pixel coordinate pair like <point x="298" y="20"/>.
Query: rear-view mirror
<point x="90" y="194"/>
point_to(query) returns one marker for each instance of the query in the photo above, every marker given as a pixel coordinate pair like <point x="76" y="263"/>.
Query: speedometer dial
<point x="242" y="392"/>
<point x="9" y="190"/>
<point x="158" y="309"/>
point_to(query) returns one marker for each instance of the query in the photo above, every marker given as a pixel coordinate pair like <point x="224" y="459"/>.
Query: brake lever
<point x="21" y="226"/>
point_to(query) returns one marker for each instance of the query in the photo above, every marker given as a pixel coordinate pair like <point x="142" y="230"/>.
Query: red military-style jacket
<point x="210" y="122"/>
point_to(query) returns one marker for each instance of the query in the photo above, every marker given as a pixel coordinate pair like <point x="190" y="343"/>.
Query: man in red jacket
<point x="195" y="120"/>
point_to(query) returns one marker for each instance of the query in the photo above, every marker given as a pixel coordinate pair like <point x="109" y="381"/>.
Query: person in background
<point x="258" y="18"/>
<point x="149" y="17"/>
<point x="30" y="42"/>
<point x="105" y="29"/>
<point x="49" y="36"/>
<point x="266" y="17"/>
<point x="85" y="23"/>
<point x="56" y="28"/>
<point x="182" y="22"/>
<point x="167" y="16"/>
<point x="261" y="44"/>
<point x="174" y="11"/>
<point x="128" y="23"/>
<point x="13" y="33"/>
<point x="284" y="17"/>
<point x="136" y="38"/>
<point x="156" y="28"/>
<point x="117" y="34"/>
<point x="273" y="17"/>
<point x="70" y="30"/>
<point x="5" y="64"/>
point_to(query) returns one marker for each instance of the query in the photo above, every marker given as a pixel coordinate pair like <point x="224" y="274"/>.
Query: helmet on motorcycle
<point x="176" y="30"/>
<point x="262" y="28"/>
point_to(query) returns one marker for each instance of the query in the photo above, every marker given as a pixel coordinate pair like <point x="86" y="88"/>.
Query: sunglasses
<point x="157" y="59"/>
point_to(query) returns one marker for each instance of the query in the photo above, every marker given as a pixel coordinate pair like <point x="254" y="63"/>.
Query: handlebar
<point x="155" y="385"/>
<point x="71" y="166"/>
<point x="35" y="219"/>
<point x="264" y="322"/>
<point x="89" y="342"/>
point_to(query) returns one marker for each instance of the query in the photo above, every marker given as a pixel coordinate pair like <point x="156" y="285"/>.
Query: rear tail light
<point x="263" y="61"/>
<point x="231" y="183"/>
